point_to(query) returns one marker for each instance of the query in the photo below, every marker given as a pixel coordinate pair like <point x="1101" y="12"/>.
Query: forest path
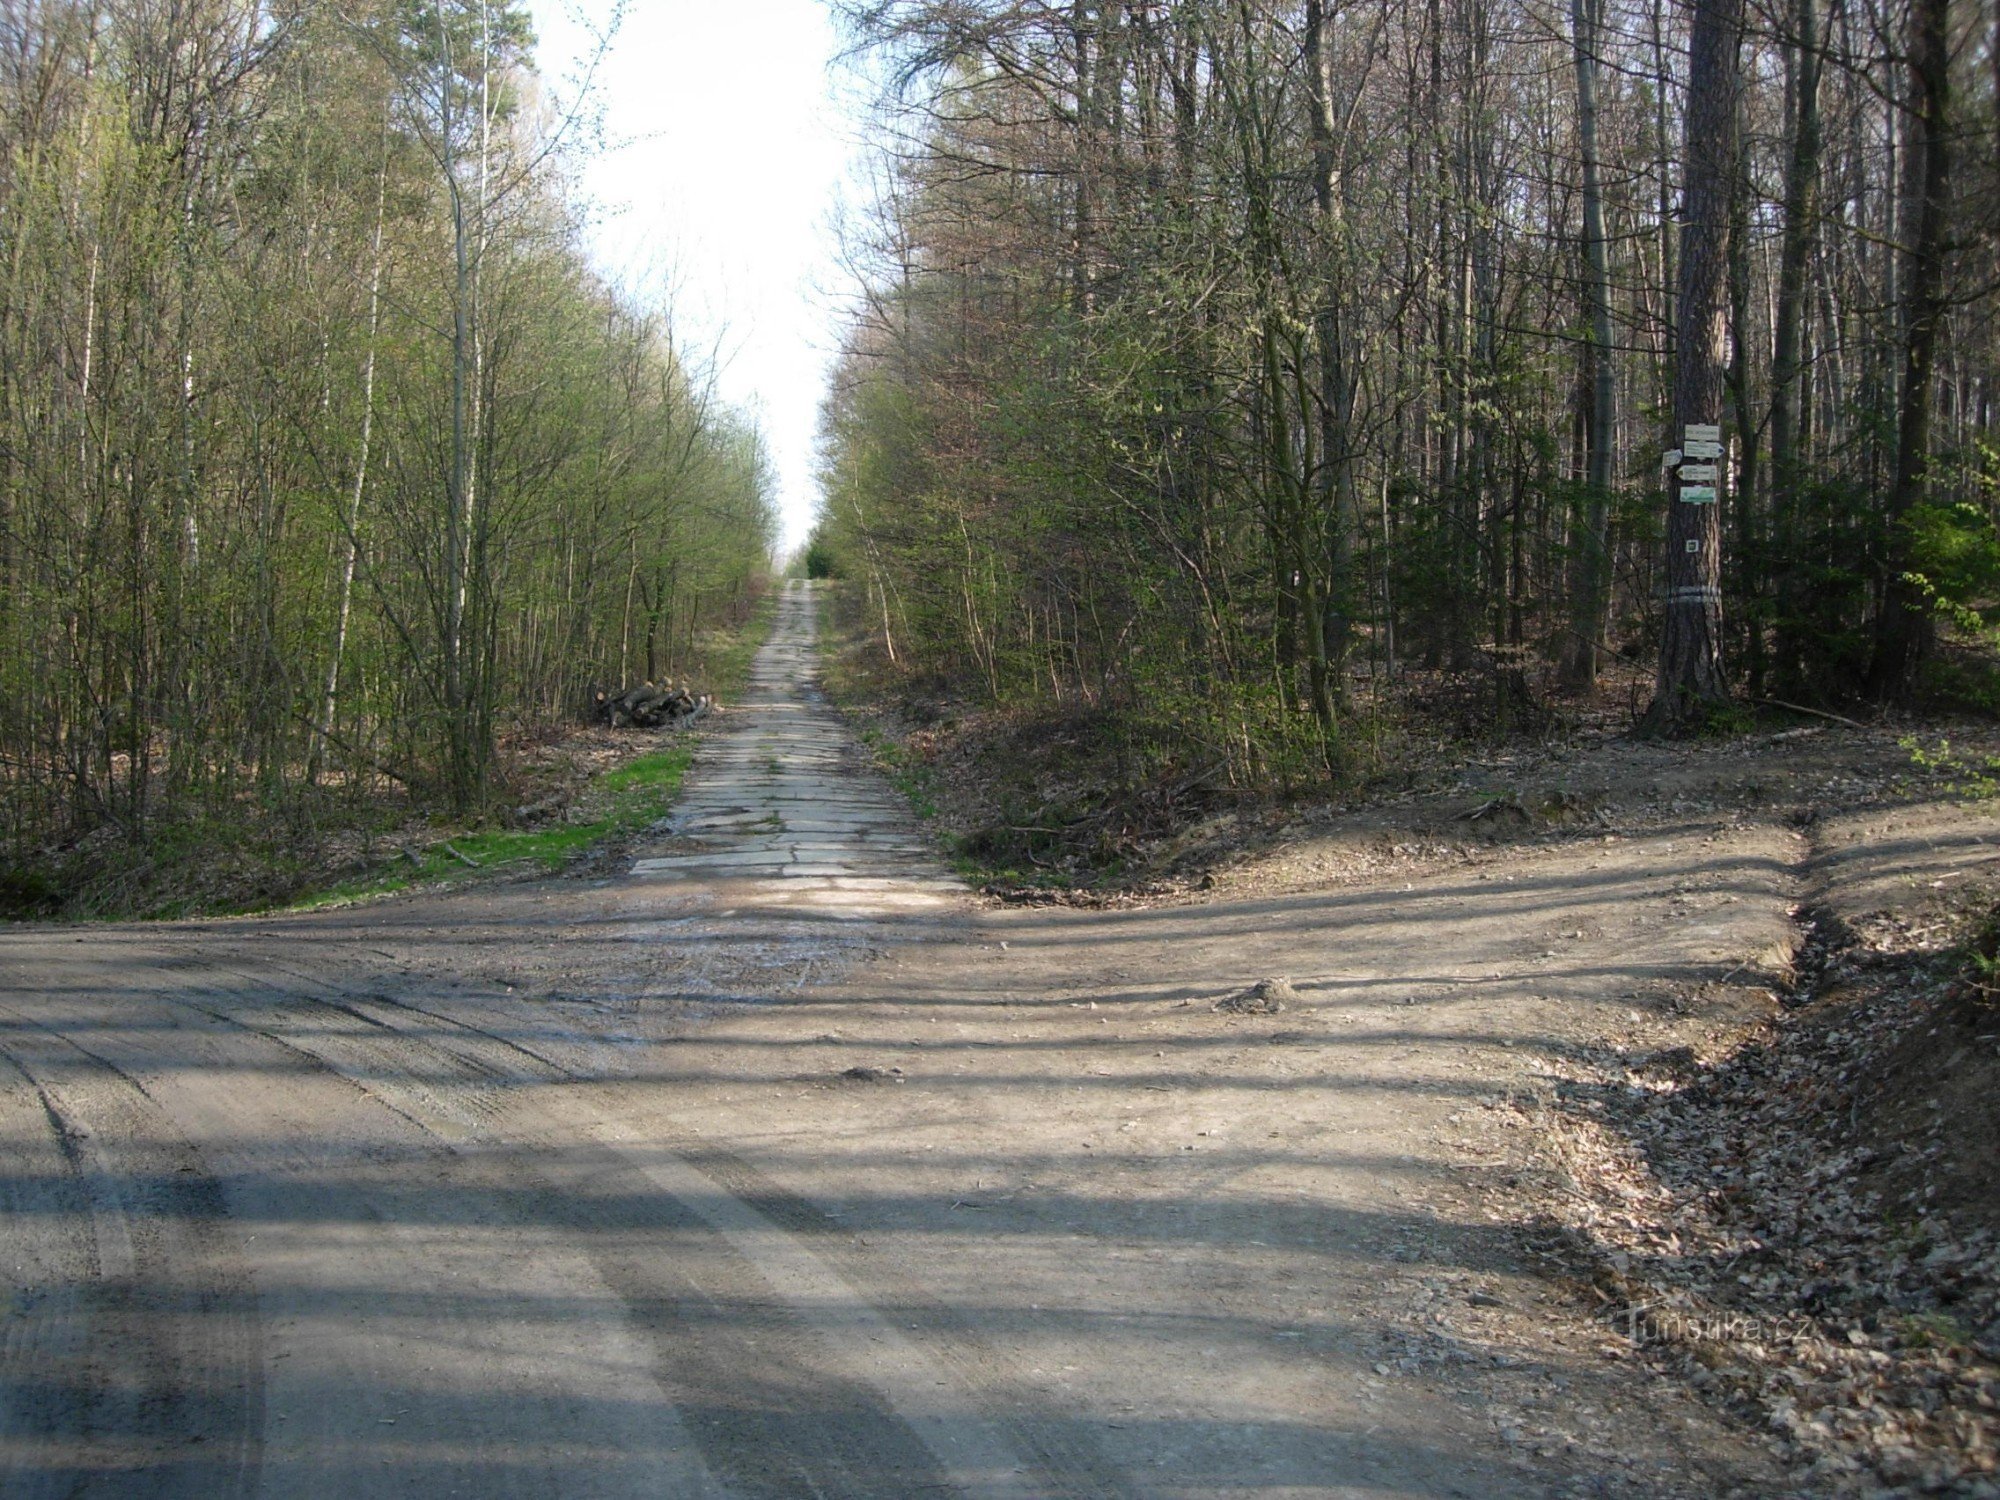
<point x="779" y="1168"/>
<point x="786" y="809"/>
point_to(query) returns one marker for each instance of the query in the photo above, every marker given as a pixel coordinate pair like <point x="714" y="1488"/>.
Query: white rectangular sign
<point x="1697" y="473"/>
<point x="1702" y="432"/>
<point x="1702" y="449"/>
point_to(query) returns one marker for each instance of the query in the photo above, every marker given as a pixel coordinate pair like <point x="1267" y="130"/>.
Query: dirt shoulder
<point x="1680" y="1114"/>
<point x="1798" y="1217"/>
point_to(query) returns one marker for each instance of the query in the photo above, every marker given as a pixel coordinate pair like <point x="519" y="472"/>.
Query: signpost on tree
<point x="1690" y="684"/>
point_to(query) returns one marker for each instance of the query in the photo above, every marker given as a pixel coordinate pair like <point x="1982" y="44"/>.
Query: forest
<point x="1225" y="370"/>
<point x="327" y="461"/>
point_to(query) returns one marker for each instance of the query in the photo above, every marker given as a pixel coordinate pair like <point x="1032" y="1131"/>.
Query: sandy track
<point x="777" y="1168"/>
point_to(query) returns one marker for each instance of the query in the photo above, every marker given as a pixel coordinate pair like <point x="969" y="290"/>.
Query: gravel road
<point x="778" y="1166"/>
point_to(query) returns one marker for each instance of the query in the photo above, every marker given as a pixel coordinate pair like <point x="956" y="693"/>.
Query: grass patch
<point x="1000" y="855"/>
<point x="660" y="771"/>
<point x="618" y="803"/>
<point x="909" y="775"/>
<point x="981" y="857"/>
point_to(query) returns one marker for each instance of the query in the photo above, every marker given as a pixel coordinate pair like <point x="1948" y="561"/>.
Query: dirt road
<point x="781" y="1167"/>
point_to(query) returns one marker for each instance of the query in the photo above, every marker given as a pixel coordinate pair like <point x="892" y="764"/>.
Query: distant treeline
<point x="324" y="455"/>
<point x="1215" y="353"/>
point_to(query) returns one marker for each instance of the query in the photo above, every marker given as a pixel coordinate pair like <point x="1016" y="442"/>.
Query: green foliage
<point x="1726" y="721"/>
<point x="1957" y="572"/>
<point x="1967" y="681"/>
<point x="1957" y="550"/>
<point x="1980" y="953"/>
<point x="28" y="892"/>
<point x="1954" y="552"/>
<point x="1974" y="778"/>
<point x="818" y="561"/>
<point x="1822" y="614"/>
<point x="1249" y="363"/>
<point x="326" y="459"/>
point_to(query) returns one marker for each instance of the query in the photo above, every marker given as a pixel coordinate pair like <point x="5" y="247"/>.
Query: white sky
<point x="724" y="189"/>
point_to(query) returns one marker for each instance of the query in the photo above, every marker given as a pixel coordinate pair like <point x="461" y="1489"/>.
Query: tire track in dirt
<point x="839" y="1297"/>
<point x="46" y="1327"/>
<point x="143" y="1375"/>
<point x="775" y="1390"/>
<point x="379" y="1252"/>
<point x="721" y="1185"/>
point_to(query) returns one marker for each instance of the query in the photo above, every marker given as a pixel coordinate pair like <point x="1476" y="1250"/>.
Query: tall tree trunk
<point x="1750" y="557"/>
<point x="1690" y="682"/>
<point x="1333" y="480"/>
<point x="459" y="477"/>
<point x="1084" y="35"/>
<point x="1801" y="212"/>
<point x="1590" y="569"/>
<point x="1903" y="625"/>
<point x="1664" y="177"/>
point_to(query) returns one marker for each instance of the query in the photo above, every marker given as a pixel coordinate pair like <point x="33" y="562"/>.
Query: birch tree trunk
<point x="351" y="526"/>
<point x="1333" y="480"/>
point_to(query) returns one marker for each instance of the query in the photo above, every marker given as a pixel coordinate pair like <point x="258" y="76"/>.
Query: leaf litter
<point x="1765" y="1226"/>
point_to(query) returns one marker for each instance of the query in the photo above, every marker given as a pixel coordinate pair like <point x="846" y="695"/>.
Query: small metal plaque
<point x="1694" y="545"/>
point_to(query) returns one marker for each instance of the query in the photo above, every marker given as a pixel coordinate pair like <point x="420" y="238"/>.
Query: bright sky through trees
<point x="726" y="154"/>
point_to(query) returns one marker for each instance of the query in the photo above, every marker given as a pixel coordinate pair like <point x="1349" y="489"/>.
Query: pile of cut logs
<point x="649" y="707"/>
